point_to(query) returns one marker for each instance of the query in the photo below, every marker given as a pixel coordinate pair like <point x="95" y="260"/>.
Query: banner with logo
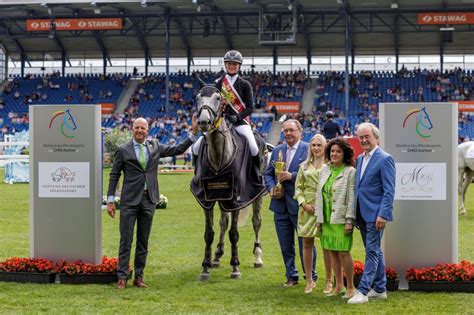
<point x="107" y="108"/>
<point x="285" y="107"/>
<point x="97" y="24"/>
<point x="443" y="18"/>
<point x="66" y="182"/>
<point x="422" y="138"/>
<point x="466" y="106"/>
<point x="63" y="180"/>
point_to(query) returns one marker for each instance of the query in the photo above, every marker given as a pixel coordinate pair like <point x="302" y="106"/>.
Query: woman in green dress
<point x="305" y="193"/>
<point x="335" y="211"/>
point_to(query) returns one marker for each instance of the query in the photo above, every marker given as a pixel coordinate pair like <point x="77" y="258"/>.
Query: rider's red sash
<point x="232" y="97"/>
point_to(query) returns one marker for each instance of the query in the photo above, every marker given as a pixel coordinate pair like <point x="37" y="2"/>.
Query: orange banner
<point x="466" y="106"/>
<point x="75" y="24"/>
<point x="445" y="18"/>
<point x="285" y="107"/>
<point x="107" y="108"/>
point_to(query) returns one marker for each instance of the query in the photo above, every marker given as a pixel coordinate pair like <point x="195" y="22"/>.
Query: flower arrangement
<point x="358" y="267"/>
<point x="359" y="270"/>
<point x="391" y="274"/>
<point x="108" y="265"/>
<point x="162" y="203"/>
<point x="463" y="271"/>
<point x="41" y="265"/>
<point x="37" y="265"/>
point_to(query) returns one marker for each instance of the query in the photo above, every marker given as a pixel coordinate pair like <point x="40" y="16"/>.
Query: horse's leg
<point x="223" y="224"/>
<point x="234" y="238"/>
<point x="208" y="238"/>
<point x="465" y="185"/>
<point x="257" y="223"/>
<point x="460" y="190"/>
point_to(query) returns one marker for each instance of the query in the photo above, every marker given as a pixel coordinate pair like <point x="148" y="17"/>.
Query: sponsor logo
<point x="423" y="123"/>
<point x="67" y="126"/>
<point x="63" y="174"/>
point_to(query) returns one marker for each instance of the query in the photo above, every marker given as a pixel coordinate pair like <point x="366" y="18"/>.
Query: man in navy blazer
<point x="294" y="152"/>
<point x="374" y="192"/>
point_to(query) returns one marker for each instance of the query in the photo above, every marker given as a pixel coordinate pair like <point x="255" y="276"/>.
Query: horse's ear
<point x="201" y="82"/>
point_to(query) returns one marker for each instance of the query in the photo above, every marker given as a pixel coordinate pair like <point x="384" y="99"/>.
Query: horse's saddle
<point x="235" y="186"/>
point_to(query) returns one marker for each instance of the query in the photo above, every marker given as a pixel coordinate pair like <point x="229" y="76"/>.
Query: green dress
<point x="305" y="191"/>
<point x="333" y="236"/>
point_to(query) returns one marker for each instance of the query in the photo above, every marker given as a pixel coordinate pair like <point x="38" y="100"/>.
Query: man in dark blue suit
<point x="293" y="152"/>
<point x="374" y="192"/>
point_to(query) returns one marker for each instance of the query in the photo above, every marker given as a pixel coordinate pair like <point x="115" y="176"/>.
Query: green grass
<point x="175" y="255"/>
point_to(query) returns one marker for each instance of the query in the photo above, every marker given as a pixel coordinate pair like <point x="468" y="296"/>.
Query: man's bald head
<point x="140" y="129"/>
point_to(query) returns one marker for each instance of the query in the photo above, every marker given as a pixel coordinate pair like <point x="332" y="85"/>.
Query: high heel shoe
<point x="336" y="292"/>
<point x="328" y="288"/>
<point x="349" y="294"/>
<point x="309" y="287"/>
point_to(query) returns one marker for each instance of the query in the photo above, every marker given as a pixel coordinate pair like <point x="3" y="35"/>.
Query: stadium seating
<point x="366" y="90"/>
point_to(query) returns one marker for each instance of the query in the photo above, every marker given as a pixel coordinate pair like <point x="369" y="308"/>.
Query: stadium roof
<point x="378" y="27"/>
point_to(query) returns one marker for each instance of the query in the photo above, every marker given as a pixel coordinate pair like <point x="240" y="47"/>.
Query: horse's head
<point x="424" y="119"/>
<point x="209" y="107"/>
<point x="69" y="120"/>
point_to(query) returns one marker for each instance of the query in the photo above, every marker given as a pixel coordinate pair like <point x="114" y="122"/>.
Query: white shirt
<point x="292" y="151"/>
<point x="366" y="160"/>
<point x="232" y="78"/>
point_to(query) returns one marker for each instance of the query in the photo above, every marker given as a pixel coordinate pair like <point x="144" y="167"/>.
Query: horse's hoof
<point x="463" y="212"/>
<point x="215" y="264"/>
<point x="257" y="264"/>
<point x="204" y="277"/>
<point x="235" y="275"/>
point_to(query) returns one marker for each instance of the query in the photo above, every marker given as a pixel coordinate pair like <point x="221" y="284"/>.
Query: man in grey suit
<point x="138" y="160"/>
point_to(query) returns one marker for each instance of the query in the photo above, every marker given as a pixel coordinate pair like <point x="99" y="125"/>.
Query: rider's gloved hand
<point x="233" y="118"/>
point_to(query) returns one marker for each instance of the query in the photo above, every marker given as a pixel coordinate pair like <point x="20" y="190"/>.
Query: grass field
<point x="175" y="255"/>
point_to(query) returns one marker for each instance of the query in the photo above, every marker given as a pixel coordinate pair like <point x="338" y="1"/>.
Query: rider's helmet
<point x="234" y="56"/>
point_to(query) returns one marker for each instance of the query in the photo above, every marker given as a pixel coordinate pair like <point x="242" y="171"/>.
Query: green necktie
<point x="141" y="157"/>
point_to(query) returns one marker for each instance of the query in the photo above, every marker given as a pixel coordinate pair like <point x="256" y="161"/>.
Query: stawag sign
<point x="75" y="24"/>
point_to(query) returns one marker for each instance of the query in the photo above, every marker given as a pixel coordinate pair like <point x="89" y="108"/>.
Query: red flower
<point x="463" y="271"/>
<point x="108" y="265"/>
<point x="16" y="264"/>
<point x="359" y="270"/>
<point x="41" y="265"/>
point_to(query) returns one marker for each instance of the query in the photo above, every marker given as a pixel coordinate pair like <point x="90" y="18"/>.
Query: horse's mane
<point x="208" y="90"/>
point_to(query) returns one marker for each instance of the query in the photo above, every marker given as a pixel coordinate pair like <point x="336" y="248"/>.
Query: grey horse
<point x="256" y="223"/>
<point x="222" y="166"/>
<point x="465" y="171"/>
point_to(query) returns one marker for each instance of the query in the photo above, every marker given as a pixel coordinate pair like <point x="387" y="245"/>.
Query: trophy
<point x="280" y="166"/>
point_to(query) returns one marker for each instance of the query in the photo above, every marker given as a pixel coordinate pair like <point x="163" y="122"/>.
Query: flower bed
<point x="392" y="276"/>
<point x="79" y="272"/>
<point x="442" y="277"/>
<point x="39" y="270"/>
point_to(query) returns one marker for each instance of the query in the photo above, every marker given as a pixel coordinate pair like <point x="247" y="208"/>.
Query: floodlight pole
<point x="22" y="65"/>
<point x="167" y="56"/>
<point x="346" y="53"/>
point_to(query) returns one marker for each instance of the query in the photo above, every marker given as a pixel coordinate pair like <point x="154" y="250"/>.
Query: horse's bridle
<point x="217" y="117"/>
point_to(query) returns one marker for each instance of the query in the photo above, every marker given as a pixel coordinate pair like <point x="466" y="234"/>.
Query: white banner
<point x="63" y="180"/>
<point x="420" y="181"/>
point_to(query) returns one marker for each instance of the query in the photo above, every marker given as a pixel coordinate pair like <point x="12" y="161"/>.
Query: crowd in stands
<point x="366" y="90"/>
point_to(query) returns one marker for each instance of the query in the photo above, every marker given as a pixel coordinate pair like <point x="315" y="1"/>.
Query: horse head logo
<point x="67" y="125"/>
<point x="422" y="123"/>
